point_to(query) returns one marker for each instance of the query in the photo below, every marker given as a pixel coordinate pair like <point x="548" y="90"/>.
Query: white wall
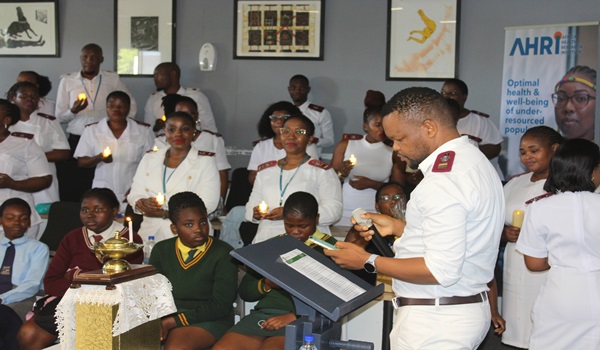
<point x="355" y="47"/>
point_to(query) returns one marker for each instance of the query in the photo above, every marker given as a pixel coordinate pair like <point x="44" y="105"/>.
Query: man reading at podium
<point x="447" y="250"/>
<point x="264" y="327"/>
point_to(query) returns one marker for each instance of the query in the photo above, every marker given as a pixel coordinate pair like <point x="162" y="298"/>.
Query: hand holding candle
<point x="130" y="227"/>
<point x="107" y="152"/>
<point x="160" y="198"/>
<point x="263" y="208"/>
<point x="518" y="216"/>
<point x="352" y="160"/>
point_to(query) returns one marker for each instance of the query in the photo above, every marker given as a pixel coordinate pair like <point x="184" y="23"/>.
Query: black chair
<point x="63" y="217"/>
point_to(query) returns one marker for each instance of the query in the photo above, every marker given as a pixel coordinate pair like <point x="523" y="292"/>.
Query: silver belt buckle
<point x="395" y="303"/>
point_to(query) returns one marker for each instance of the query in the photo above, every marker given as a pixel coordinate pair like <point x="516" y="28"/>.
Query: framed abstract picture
<point x="422" y="39"/>
<point x="144" y="35"/>
<point x="271" y="29"/>
<point x="29" y="28"/>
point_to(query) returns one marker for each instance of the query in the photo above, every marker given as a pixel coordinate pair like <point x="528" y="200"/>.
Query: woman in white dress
<point x="46" y="132"/>
<point x="560" y="235"/>
<point x="276" y="180"/>
<point x="521" y="286"/>
<point x="170" y="170"/>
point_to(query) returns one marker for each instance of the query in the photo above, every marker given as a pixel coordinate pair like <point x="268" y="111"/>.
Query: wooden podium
<point x="94" y="319"/>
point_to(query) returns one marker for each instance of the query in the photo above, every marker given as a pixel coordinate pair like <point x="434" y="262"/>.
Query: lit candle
<point x="164" y="118"/>
<point x="352" y="160"/>
<point x="130" y="226"/>
<point x="518" y="218"/>
<point x="82" y="96"/>
<point x="155" y="149"/>
<point x="106" y="153"/>
<point x="160" y="198"/>
<point x="263" y="208"/>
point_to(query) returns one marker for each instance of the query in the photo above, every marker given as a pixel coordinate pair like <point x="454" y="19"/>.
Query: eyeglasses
<point x="387" y="197"/>
<point x="274" y="117"/>
<point x="579" y="101"/>
<point x="298" y="132"/>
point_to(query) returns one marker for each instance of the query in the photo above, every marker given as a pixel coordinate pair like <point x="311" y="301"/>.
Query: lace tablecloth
<point x="141" y="300"/>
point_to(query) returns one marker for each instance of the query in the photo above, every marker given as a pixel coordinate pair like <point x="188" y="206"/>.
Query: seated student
<point x="264" y="327"/>
<point x="203" y="275"/>
<point x="99" y="207"/>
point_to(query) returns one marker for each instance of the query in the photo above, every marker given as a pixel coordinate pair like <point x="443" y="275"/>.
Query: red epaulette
<point x="266" y="165"/>
<point x="140" y="122"/>
<point x="443" y="162"/>
<point x="388" y="142"/>
<point x="160" y="135"/>
<point x="352" y="137"/>
<point x="213" y="133"/>
<point x="542" y="196"/>
<point x="205" y="153"/>
<point x="480" y="113"/>
<point x="23" y="135"/>
<point x="517" y="175"/>
<point x="259" y="140"/>
<point x="91" y="124"/>
<point x="474" y="138"/>
<point x="47" y="116"/>
<point x="315" y="107"/>
<point x="319" y="164"/>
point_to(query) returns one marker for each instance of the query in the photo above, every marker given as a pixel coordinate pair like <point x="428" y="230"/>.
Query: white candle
<point x="518" y="216"/>
<point x="352" y="159"/>
<point x="130" y="225"/>
<point x="107" y="152"/>
<point x="263" y="208"/>
<point x="160" y="198"/>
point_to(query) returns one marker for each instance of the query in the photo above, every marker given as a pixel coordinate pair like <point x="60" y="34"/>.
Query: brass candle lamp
<point x="116" y="249"/>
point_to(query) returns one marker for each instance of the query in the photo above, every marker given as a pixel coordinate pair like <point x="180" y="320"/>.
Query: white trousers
<point x="453" y="327"/>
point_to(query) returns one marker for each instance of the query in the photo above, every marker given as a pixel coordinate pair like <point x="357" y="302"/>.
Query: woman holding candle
<point x="46" y="132"/>
<point x="114" y="146"/>
<point x="364" y="163"/>
<point x="521" y="286"/>
<point x="177" y="168"/>
<point x="99" y="208"/>
<point x="560" y="236"/>
<point x="277" y="179"/>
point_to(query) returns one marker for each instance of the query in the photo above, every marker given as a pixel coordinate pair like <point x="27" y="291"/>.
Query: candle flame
<point x="82" y="96"/>
<point x="263" y="208"/>
<point x="160" y="198"/>
<point x="352" y="159"/>
<point x="155" y="149"/>
<point x="106" y="153"/>
<point x="164" y="118"/>
<point x="128" y="219"/>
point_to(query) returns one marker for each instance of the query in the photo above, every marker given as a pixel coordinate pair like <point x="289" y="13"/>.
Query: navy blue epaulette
<point x="213" y="133"/>
<point x="352" y="137"/>
<point x="266" y="165"/>
<point x="259" y="140"/>
<point x="319" y="164"/>
<point x="140" y="122"/>
<point x="517" y="175"/>
<point x="542" y="196"/>
<point x="23" y="135"/>
<point x="205" y="153"/>
<point x="91" y="124"/>
<point x="47" y="116"/>
<point x="315" y="107"/>
<point x="480" y="113"/>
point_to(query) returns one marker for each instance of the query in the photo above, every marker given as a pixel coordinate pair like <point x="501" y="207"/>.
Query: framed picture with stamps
<point x="278" y="29"/>
<point x="144" y="35"/>
<point x="422" y="39"/>
<point x="29" y="28"/>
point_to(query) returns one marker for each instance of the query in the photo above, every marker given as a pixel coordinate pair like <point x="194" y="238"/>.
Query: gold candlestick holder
<point x="116" y="249"/>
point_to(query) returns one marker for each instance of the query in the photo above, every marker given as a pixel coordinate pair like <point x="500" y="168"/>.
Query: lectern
<point x="319" y="302"/>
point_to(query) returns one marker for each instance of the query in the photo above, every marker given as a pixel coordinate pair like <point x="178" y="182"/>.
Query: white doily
<point x="140" y="301"/>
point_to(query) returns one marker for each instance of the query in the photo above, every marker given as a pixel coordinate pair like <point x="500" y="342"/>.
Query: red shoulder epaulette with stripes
<point x="22" y="134"/>
<point x="352" y="137"/>
<point x="480" y="113"/>
<point x="47" y="116"/>
<point x="315" y="107"/>
<point x="140" y="122"/>
<point x="535" y="199"/>
<point x="319" y="164"/>
<point x="517" y="175"/>
<point x="91" y="124"/>
<point x="474" y="138"/>
<point x="213" y="133"/>
<point x="266" y="165"/>
<point x="205" y="153"/>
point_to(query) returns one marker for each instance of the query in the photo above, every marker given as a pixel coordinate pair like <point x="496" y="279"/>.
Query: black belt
<point x="471" y="299"/>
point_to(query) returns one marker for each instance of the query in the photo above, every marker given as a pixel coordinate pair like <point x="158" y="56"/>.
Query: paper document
<point x="328" y="279"/>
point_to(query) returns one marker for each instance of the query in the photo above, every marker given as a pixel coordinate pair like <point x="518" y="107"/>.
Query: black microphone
<point x="380" y="243"/>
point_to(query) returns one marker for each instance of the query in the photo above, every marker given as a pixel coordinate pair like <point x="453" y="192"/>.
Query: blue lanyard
<point x="281" y="188"/>
<point x="97" y="90"/>
<point x="165" y="179"/>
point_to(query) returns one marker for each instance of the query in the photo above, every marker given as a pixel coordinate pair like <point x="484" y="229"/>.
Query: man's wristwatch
<point x="370" y="264"/>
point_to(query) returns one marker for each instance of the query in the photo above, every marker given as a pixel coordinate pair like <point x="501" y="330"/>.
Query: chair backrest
<point x="63" y="217"/>
<point x="239" y="189"/>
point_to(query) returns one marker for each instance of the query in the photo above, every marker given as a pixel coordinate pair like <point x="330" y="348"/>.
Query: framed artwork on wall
<point x="29" y="28"/>
<point x="144" y="35"/>
<point x="276" y="29"/>
<point x="422" y="39"/>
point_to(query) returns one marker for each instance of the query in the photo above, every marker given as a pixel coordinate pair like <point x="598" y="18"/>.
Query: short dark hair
<point x="11" y="110"/>
<point x="170" y="101"/>
<point x="12" y="92"/>
<point x="43" y="82"/>
<point x="172" y="67"/>
<point x="94" y="47"/>
<point x="301" y="203"/>
<point x="120" y="95"/>
<point x="183" y="200"/>
<point x="300" y="77"/>
<point x="104" y="195"/>
<point x="386" y="185"/>
<point x="183" y="115"/>
<point x="308" y="124"/>
<point x="461" y="85"/>
<point x="416" y="104"/>
<point x="572" y="165"/>
<point x="15" y="201"/>
<point x="264" y="124"/>
<point x="544" y="133"/>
